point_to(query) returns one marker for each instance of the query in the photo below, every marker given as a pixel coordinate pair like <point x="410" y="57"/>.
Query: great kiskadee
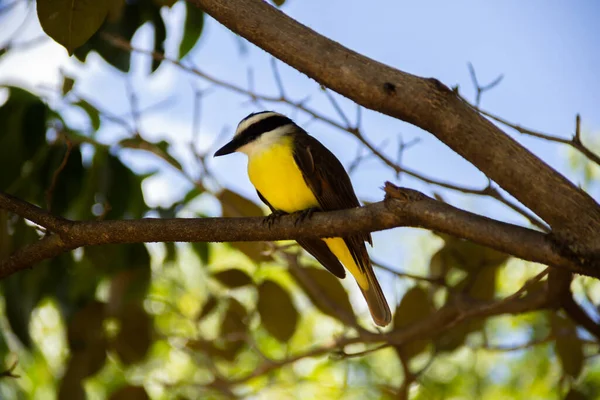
<point x="294" y="173"/>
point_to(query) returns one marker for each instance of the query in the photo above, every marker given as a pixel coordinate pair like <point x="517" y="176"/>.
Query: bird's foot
<point x="273" y="217"/>
<point x="304" y="214"/>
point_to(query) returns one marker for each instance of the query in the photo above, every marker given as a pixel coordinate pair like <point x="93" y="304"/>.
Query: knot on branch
<point x="401" y="194"/>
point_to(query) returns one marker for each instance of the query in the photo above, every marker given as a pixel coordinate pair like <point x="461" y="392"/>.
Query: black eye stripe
<point x="265" y="125"/>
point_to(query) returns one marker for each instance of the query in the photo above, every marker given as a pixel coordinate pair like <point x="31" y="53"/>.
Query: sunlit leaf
<point x="233" y="278"/>
<point x="277" y="312"/>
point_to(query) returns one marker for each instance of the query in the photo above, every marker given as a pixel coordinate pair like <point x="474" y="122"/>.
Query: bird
<point x="293" y="173"/>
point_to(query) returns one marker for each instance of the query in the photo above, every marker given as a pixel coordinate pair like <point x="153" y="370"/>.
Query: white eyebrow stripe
<point x="253" y="120"/>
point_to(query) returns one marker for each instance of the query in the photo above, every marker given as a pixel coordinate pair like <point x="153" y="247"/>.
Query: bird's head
<point x="258" y="131"/>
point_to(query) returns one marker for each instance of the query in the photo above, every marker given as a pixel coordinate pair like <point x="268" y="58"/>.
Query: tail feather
<point x="378" y="306"/>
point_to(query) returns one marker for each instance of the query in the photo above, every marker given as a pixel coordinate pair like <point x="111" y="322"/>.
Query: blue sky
<point x="546" y="49"/>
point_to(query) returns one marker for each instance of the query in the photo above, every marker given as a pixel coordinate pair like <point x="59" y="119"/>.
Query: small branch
<point x="401" y="207"/>
<point x="480" y="90"/>
<point x="574" y="142"/>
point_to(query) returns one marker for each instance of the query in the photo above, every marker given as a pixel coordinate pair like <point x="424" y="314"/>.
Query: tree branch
<point x="426" y="103"/>
<point x="401" y="207"/>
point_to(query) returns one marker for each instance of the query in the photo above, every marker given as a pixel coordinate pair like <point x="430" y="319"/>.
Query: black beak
<point x="229" y="147"/>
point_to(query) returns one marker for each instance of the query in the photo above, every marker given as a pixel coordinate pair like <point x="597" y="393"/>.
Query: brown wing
<point x="318" y="249"/>
<point x="330" y="183"/>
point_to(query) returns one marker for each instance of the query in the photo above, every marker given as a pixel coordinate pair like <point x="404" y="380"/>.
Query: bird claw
<point x="270" y="219"/>
<point x="304" y="215"/>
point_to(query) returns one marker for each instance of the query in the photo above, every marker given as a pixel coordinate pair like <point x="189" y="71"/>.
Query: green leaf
<point x="194" y="24"/>
<point x="71" y="22"/>
<point x="330" y="291"/>
<point x="233" y="278"/>
<point x="568" y="346"/>
<point x="278" y="3"/>
<point x="91" y="111"/>
<point x="277" y="311"/>
<point x="414" y="307"/>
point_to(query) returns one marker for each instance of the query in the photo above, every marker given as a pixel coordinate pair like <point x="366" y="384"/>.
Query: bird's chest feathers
<point x="274" y="173"/>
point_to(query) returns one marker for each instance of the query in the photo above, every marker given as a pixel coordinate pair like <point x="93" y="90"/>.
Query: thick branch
<point x="427" y="103"/>
<point x="402" y="207"/>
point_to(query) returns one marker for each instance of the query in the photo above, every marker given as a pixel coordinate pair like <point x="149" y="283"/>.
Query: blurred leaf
<point x="235" y="205"/>
<point x="91" y="111"/>
<point x="161" y="149"/>
<point x="482" y="283"/>
<point x="160" y="35"/>
<point x="67" y="85"/>
<point x="256" y="251"/>
<point x="130" y="393"/>
<point x="208" y="307"/>
<point x="135" y="336"/>
<point x="329" y="286"/>
<point x="233" y="330"/>
<point x="71" y="22"/>
<point x="22" y="133"/>
<point x="278" y="3"/>
<point x="171" y="251"/>
<point x="575" y="394"/>
<point x="452" y="339"/>
<point x="68" y="183"/>
<point x="194" y="23"/>
<point x="192" y="194"/>
<point x="85" y="335"/>
<point x="277" y="311"/>
<point x="233" y="278"/>
<point x="414" y="307"/>
<point x="202" y="249"/>
<point x="568" y="346"/>
<point x="127" y="286"/>
<point x="465" y="255"/>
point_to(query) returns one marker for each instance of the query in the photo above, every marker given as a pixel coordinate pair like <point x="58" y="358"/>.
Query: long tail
<point x="364" y="276"/>
<point x="378" y="306"/>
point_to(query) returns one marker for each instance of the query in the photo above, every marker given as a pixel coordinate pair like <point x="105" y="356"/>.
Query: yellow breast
<point x="274" y="173"/>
